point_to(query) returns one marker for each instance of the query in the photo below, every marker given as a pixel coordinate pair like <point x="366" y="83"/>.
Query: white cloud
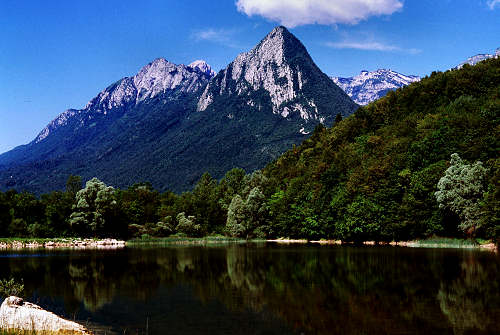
<point x="493" y="3"/>
<point x="292" y="13"/>
<point x="220" y="36"/>
<point x="371" y="46"/>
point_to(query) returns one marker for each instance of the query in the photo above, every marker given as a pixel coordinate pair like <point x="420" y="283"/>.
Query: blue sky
<point x="57" y="55"/>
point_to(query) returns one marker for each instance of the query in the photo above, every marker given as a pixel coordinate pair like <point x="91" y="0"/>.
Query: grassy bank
<point x="443" y="242"/>
<point x="180" y="240"/>
<point x="31" y="243"/>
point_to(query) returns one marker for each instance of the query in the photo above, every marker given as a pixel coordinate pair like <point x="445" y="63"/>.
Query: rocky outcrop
<point x="18" y="316"/>
<point x="278" y="72"/>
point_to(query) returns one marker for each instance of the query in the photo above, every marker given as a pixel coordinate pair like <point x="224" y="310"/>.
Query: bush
<point x="11" y="287"/>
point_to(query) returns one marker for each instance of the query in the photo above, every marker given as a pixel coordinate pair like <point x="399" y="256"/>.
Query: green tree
<point x="73" y="184"/>
<point x="461" y="190"/>
<point x="93" y="203"/>
<point x="188" y="226"/>
<point x="247" y="218"/>
<point x="236" y="217"/>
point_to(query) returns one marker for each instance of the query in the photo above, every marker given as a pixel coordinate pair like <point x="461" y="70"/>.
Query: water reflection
<point x="269" y="289"/>
<point x="469" y="300"/>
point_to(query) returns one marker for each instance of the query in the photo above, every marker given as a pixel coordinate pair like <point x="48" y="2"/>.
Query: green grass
<point x="445" y="242"/>
<point x="155" y="241"/>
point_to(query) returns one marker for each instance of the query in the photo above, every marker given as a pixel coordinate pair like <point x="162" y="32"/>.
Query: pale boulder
<point x="18" y="315"/>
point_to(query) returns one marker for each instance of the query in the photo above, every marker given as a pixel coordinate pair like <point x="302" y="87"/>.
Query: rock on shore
<point x="65" y="244"/>
<point x="18" y="315"/>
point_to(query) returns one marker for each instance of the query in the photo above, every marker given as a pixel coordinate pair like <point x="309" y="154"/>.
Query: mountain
<point x="75" y="128"/>
<point x="478" y="58"/>
<point x="277" y="76"/>
<point x="370" y="86"/>
<point x="170" y="123"/>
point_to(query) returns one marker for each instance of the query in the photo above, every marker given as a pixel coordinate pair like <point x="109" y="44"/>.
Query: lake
<point x="266" y="289"/>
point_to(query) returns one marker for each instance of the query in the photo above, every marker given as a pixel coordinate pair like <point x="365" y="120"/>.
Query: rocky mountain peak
<point x="279" y="65"/>
<point x="161" y="75"/>
<point x="158" y="77"/>
<point x="202" y="66"/>
<point x="149" y="126"/>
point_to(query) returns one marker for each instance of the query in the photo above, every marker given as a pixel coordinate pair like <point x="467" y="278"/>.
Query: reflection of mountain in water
<point x="273" y="289"/>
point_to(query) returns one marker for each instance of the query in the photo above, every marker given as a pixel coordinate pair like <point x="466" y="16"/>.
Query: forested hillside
<point x="421" y="161"/>
<point x="374" y="175"/>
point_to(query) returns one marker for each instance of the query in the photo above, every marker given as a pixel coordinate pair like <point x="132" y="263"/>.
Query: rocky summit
<point x="170" y="123"/>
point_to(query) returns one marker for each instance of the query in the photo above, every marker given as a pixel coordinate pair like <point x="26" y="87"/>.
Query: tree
<point x="92" y="205"/>
<point x="73" y="184"/>
<point x="188" y="226"/>
<point x="206" y="207"/>
<point x="245" y="217"/>
<point x="236" y="217"/>
<point x="461" y="189"/>
<point x="338" y="118"/>
<point x="232" y="184"/>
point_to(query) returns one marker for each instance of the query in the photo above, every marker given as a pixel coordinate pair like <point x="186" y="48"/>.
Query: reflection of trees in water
<point x="471" y="301"/>
<point x="90" y="283"/>
<point x="315" y="290"/>
<point x="243" y="273"/>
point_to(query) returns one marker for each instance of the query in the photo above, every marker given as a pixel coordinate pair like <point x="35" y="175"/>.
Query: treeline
<point x="422" y="161"/>
<point x="98" y="210"/>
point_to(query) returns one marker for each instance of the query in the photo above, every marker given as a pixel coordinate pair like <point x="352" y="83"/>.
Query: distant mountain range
<point x="170" y="123"/>
<point x="370" y="86"/>
<point x="478" y="58"/>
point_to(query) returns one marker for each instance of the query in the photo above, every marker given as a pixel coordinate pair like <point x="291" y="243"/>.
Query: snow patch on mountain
<point x="478" y="58"/>
<point x="370" y="86"/>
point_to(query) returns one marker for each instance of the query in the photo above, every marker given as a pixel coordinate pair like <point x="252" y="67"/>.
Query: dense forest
<point x="421" y="161"/>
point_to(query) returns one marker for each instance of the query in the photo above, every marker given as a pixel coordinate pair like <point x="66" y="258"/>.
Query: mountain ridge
<point x="369" y="86"/>
<point x="149" y="127"/>
<point x="473" y="60"/>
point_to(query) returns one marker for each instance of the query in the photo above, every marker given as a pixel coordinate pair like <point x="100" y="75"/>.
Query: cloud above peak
<point x="292" y="13"/>
<point x="493" y="3"/>
<point x="371" y="46"/>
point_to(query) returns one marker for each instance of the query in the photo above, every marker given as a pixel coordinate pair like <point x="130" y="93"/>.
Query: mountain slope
<point x="370" y="86"/>
<point x="169" y="123"/>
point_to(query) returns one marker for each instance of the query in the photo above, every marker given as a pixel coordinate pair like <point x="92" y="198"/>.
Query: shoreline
<point x="112" y="244"/>
<point x="70" y="243"/>
<point x="408" y="244"/>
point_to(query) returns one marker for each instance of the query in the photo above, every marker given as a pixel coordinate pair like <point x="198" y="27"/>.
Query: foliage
<point x="245" y="216"/>
<point x="93" y="203"/>
<point x="372" y="176"/>
<point x="461" y="189"/>
<point x="11" y="287"/>
<point x="188" y="226"/>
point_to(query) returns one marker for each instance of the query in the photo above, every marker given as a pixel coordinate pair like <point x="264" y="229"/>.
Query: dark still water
<point x="266" y="289"/>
